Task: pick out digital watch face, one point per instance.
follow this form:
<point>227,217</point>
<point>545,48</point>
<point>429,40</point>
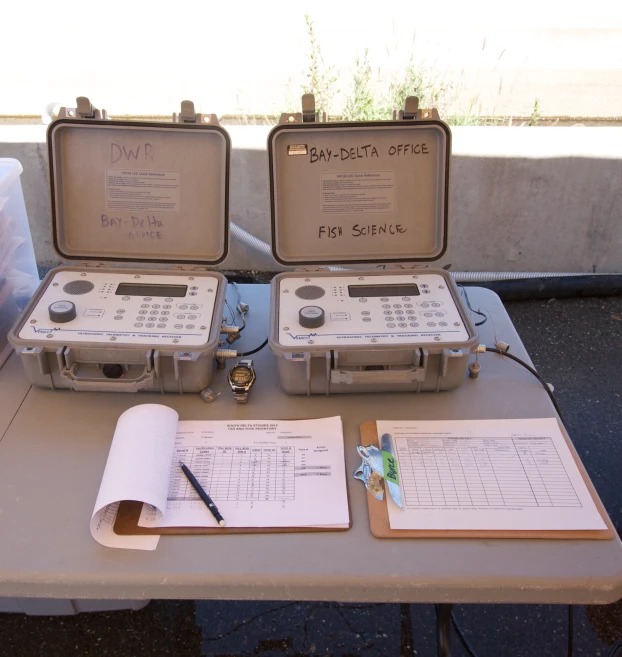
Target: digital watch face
<point>241,376</point>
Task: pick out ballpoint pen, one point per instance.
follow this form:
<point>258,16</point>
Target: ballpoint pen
<point>209,503</point>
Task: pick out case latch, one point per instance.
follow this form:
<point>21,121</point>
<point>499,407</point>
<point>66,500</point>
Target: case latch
<point>308,114</point>
<point>188,115</point>
<point>84,109</point>
<point>412,112</point>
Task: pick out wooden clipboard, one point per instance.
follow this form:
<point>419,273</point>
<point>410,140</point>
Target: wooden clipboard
<point>379,514</point>
<point>128,514</point>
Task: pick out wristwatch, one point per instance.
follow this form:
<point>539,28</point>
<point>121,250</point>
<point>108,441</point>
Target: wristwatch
<point>241,379</point>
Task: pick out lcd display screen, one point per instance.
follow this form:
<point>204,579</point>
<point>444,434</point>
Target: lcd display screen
<point>146,290</point>
<point>406,290</point>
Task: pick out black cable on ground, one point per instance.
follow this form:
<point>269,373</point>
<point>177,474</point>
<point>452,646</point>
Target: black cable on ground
<point>616,649</point>
<point>529,369</point>
<point>254,351</point>
<point>463,640</point>
<point>570,630</point>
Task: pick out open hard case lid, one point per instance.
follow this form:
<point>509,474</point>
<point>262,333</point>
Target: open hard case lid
<point>369,192</point>
<point>139,191</point>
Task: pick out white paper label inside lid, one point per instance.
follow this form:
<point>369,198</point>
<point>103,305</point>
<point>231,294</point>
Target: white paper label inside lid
<point>358,192</point>
<point>143,191</point>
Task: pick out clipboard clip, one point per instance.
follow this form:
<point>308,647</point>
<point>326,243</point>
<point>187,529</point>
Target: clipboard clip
<point>371,470</point>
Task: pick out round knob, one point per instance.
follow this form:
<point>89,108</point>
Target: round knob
<point>62,311</point>
<point>311,317</point>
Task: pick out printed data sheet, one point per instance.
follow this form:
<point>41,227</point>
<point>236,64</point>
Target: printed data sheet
<point>488,475</point>
<point>259,474</point>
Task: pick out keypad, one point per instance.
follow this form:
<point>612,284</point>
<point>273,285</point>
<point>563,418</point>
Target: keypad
<point>392,313</point>
<point>156,315</point>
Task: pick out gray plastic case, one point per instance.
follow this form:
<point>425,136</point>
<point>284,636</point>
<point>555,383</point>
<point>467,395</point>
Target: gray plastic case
<point>193,233</point>
<point>414,156</point>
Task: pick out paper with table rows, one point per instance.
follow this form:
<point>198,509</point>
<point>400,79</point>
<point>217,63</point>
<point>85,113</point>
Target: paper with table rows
<point>488,475</point>
<point>259,474</point>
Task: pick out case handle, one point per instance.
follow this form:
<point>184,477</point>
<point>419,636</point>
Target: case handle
<point>369,377</point>
<point>76,382</point>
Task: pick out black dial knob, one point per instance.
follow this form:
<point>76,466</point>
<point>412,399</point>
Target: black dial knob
<point>311,317</point>
<point>62,311</point>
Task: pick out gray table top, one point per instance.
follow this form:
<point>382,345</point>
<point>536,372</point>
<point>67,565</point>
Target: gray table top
<point>53,454</point>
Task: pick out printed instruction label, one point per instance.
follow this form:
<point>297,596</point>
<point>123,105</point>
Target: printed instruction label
<point>148,191</point>
<point>364,192</point>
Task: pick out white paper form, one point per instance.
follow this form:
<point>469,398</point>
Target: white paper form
<point>137,469</point>
<point>489,475</point>
<point>259,474</point>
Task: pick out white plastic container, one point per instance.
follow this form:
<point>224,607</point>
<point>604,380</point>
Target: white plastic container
<point>18,268</point>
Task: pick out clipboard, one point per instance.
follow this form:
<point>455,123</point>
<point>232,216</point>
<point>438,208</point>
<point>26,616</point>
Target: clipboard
<point>126,524</point>
<point>379,513</point>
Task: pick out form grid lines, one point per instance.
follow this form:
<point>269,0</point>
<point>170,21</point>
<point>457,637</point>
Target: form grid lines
<point>240,474</point>
<point>465,471</point>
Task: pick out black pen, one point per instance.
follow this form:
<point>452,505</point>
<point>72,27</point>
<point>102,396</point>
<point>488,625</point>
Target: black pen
<point>203,495</point>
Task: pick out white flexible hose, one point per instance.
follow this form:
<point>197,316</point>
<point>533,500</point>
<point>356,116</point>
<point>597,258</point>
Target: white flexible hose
<point>460,276</point>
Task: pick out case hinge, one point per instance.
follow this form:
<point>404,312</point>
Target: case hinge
<point>93,264</point>
<point>412,112</point>
<point>84,109</point>
<point>190,268</point>
<point>311,269</point>
<point>402,266</point>
<point>188,115</point>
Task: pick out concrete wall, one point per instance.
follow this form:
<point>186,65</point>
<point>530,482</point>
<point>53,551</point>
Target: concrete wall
<point>522,199</point>
<point>143,57</point>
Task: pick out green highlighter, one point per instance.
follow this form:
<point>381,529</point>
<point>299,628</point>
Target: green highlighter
<point>391,473</point>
